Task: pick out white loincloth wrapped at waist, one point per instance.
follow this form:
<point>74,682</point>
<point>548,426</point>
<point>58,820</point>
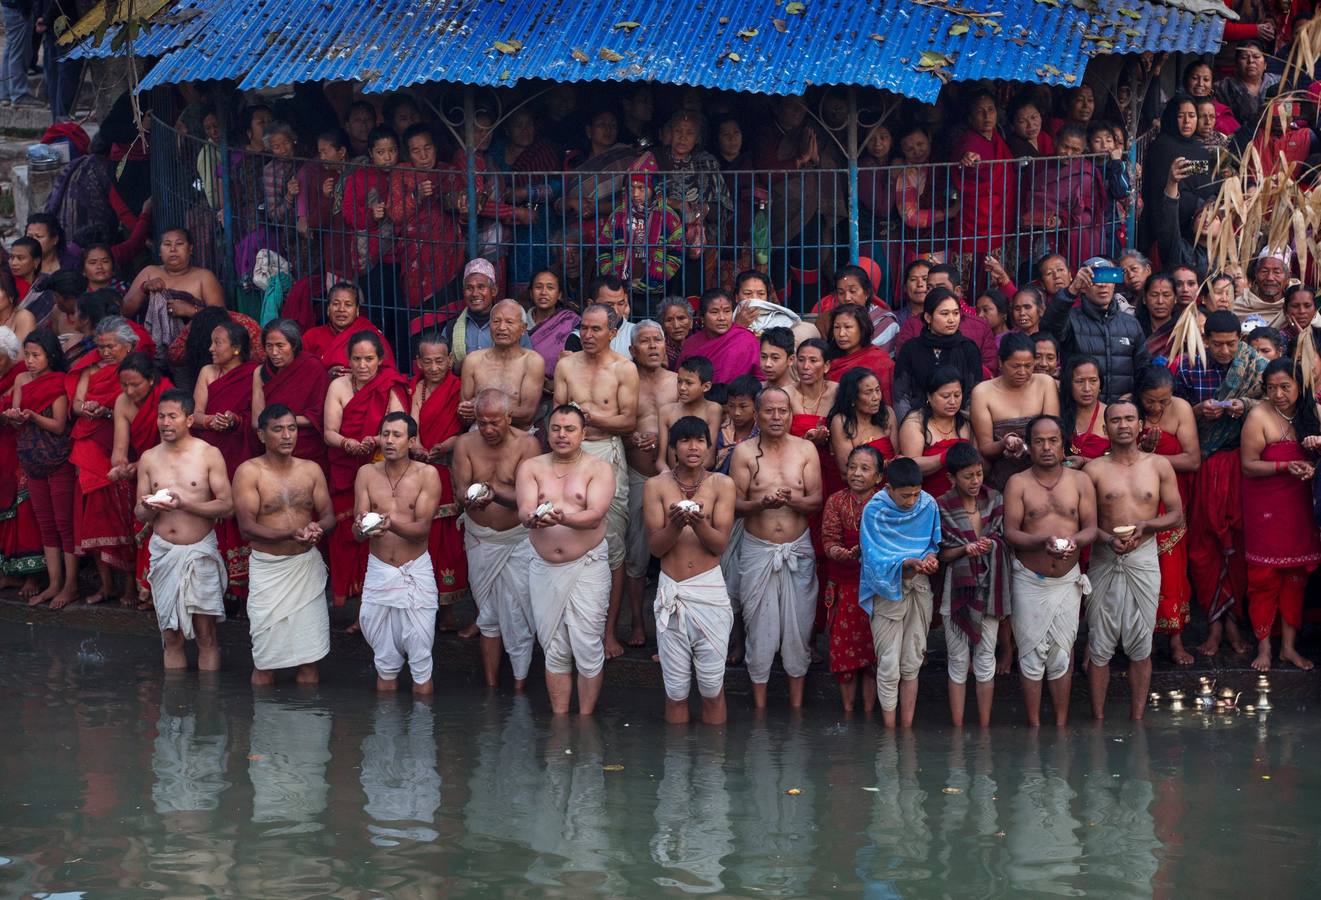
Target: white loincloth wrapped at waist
<point>559,585</point>
<point>701,600</point>
<point>187,580</point>
<point>287,612</point>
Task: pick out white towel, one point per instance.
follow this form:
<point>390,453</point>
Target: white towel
<point>287,609</point>
<point>186,580</point>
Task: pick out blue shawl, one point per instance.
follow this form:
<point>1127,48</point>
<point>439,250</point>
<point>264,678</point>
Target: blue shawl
<point>891,535</point>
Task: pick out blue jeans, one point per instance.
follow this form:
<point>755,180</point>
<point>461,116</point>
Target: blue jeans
<point>18,46</point>
<point>62,74</point>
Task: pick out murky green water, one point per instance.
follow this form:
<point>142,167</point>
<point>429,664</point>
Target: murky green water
<point>115,782</point>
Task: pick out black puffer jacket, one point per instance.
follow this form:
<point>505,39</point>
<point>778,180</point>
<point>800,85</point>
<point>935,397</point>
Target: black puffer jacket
<point>1114,337</point>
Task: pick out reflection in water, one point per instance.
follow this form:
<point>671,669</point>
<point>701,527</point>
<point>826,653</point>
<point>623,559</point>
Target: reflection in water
<point>188,760</point>
<point>692,813</point>
<point>505,775</point>
<point>1042,832</point>
<point>399,773</point>
<point>899,833</point>
<point>1120,838</point>
<point>776,830</point>
<point>289,750</point>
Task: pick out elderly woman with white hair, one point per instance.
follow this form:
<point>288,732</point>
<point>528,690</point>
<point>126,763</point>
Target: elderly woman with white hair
<point>104,529</point>
<point>20,537</point>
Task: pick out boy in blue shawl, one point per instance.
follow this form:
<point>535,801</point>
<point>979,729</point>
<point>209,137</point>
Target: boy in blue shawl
<point>900,539</point>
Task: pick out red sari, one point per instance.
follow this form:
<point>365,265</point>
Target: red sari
<point>869,357</point>
<point>333,347</point>
<point>938,483</point>
<point>301,385</point>
<point>1279,541</point>
<point>1173,609</point>
<point>232,392</point>
<point>847,626</point>
<point>103,516</point>
<point>438,421</point>
<point>799,425</point>
<point>362,418</point>
<point>1089,445</point>
<point>20,538</point>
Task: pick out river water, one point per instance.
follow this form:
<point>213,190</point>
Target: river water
<point>116,781</point>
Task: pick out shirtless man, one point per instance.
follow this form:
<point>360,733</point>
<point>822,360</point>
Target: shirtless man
<point>1001,406</point>
<point>1050,512</point>
<point>183,488</point>
<point>693,615</point>
<point>399,598</point>
<point>283,508</point>
<point>604,385</point>
<point>1131,486</point>
<point>514,369</point>
<point>657,388</point>
<point>177,275</point>
<point>564,497</point>
<point>777,478</point>
<point>496,542</point>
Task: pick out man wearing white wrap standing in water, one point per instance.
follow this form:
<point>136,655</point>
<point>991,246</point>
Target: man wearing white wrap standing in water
<point>394,503</point>
<point>183,488</point>
<point>689,514</point>
<point>563,498</point>
<point>777,481</point>
<point>283,509</point>
<point>499,553</point>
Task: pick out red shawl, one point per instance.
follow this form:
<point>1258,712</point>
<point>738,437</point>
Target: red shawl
<point>334,348</point>
<point>362,418</point>
<point>232,392</point>
<point>143,432</point>
<point>301,385</point>
<point>42,391</point>
<point>868,357</point>
<point>8,442</point>
<point>94,438</point>
<point>438,419</point>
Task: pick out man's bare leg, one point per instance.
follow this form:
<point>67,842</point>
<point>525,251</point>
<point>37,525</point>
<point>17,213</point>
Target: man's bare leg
<point>208,647</point>
<point>676,711</point>
<point>714,709</point>
<point>492,648</point>
<point>1181,655</point>
<point>1139,680</point>
<point>559,687</point>
<point>589,691</point>
<point>309,673</point>
<point>1032,700</point>
<point>1059,696</point>
<point>69,590</point>
<point>735,642</point>
<point>263,677</point>
<point>868,677</point>
<point>759,695</point>
<point>985,695</point>
<point>637,636</point>
<point>386,685</point>
<point>796,691</point>
<point>1236,639</point>
<point>424,688</point>
<point>1004,658</point>
<point>958,695</point>
<point>612,646</point>
<point>1098,683</point>
<point>848,689</point>
<point>907,701</point>
<point>175,658</point>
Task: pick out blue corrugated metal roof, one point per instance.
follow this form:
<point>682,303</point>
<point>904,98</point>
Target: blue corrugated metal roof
<point>757,46</point>
<point>174,27</point>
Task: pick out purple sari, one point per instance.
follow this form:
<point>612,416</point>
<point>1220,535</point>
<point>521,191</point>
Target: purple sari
<point>548,338</point>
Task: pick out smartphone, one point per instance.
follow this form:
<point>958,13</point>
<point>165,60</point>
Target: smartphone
<point>1199,166</point>
<point>1107,275</point>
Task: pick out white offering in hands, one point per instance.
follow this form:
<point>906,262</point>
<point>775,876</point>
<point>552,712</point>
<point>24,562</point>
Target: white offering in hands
<point>370,522</point>
<point>544,510</point>
<point>1124,532</point>
<point>478,491</point>
<point>160,498</point>
<point>689,506</point>
<point>1059,545</point>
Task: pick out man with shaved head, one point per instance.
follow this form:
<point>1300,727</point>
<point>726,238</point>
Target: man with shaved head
<point>506,365</point>
<point>499,554</point>
<point>657,386</point>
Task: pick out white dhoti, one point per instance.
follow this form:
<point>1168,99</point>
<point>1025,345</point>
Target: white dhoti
<point>287,613</point>
<point>611,450</point>
<point>1046,620</point>
<point>398,616</point>
<point>899,636</point>
<point>498,564</point>
<point>569,606</point>
<point>1121,607</point>
<point>186,580</point>
<point>778,592</point>
<point>637,555</point>
<point>960,652</point>
<point>693,619</point>
<point>731,563</point>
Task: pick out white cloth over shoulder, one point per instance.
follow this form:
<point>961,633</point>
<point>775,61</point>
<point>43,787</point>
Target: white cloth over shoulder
<point>186,580</point>
<point>693,619</point>
<point>611,450</point>
<point>569,608</point>
<point>1121,606</point>
<point>398,616</point>
<point>1046,620</point>
<point>778,597</point>
<point>287,612</point>
<point>498,563</point>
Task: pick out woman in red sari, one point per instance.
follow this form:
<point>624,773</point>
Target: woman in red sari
<point>732,349</point>
<point>296,379</point>
<point>355,405</point>
<point>987,207</point>
<point>852,654</point>
<point>851,332</point>
<point>136,432</point>
<point>810,398</point>
<point>103,520</point>
<point>1082,411</point>
<point>435,408</point>
<point>20,538</point>
<point>330,342</point>
<point>223,395</point>
<point>1170,429</point>
<point>929,431</point>
<point>859,417</point>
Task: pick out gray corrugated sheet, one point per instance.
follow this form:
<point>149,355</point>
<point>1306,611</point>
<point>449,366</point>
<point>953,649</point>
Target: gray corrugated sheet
<point>389,44</point>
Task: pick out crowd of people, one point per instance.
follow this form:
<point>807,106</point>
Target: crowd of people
<point>962,434</point>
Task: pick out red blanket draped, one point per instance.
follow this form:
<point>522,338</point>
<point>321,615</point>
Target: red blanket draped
<point>362,418</point>
<point>94,437</point>
<point>8,442</point>
<point>301,385</point>
<point>39,393</point>
<point>438,422</point>
<point>333,348</point>
<point>873,358</point>
<point>143,432</point>
<point>440,413</point>
<point>232,392</point>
